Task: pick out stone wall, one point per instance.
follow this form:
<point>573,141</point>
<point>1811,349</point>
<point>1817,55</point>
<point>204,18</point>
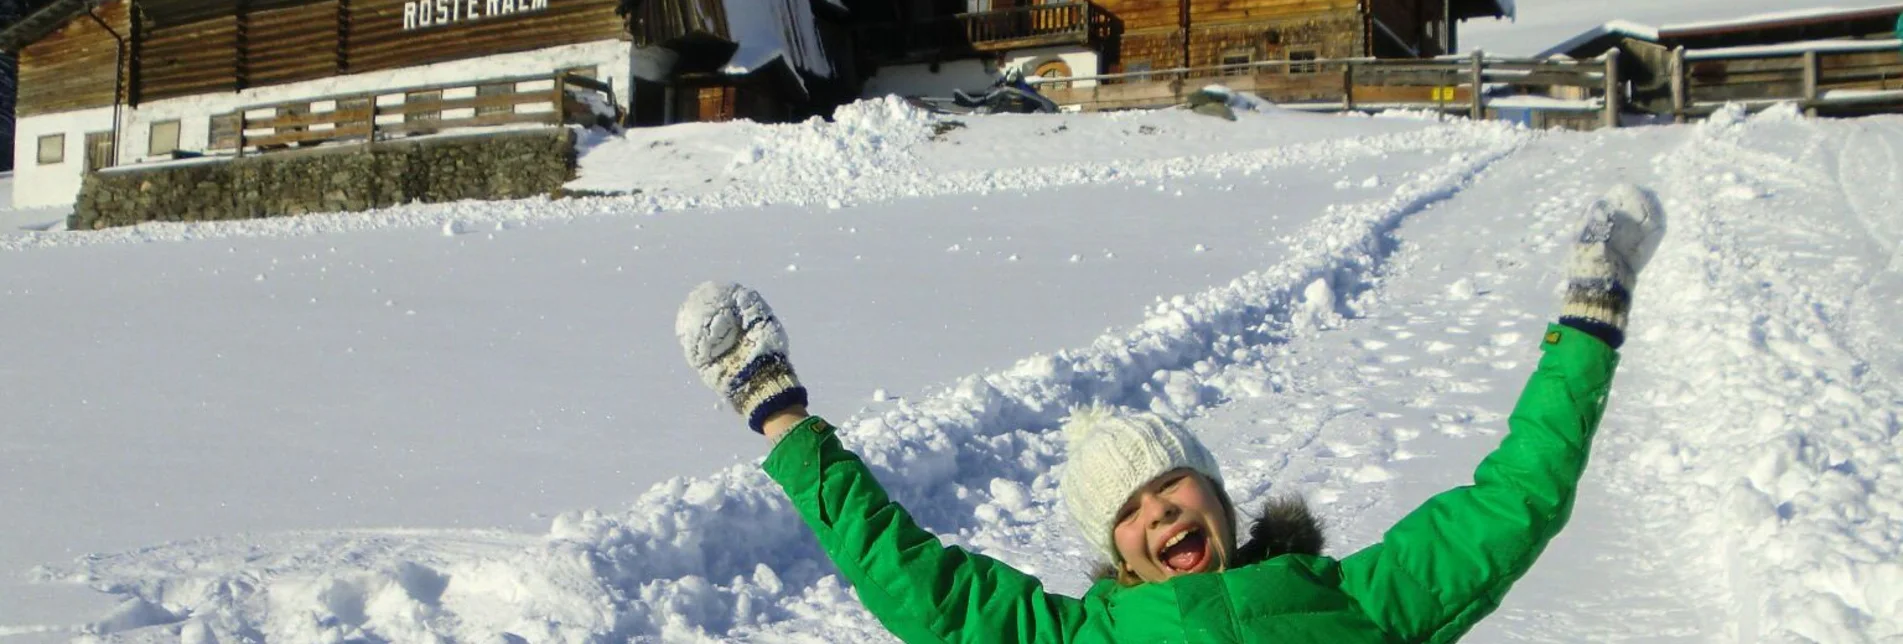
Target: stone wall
<point>503,165</point>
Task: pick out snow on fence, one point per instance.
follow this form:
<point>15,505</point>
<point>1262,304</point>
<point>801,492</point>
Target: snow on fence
<point>1440,84</point>
<point>549,99</point>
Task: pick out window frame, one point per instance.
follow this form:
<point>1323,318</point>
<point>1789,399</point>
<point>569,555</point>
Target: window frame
<point>152,137</point>
<point>1247,54</point>
<point>59,149</point>
<point>1297,66</point>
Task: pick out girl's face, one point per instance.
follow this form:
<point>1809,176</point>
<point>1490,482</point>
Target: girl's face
<point>1174,525</point>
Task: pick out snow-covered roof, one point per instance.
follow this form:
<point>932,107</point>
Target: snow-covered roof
<point>1620,28</point>
<point>1795,17</point>
<point>1821,46</point>
<point>1820,14</point>
<point>767,30</point>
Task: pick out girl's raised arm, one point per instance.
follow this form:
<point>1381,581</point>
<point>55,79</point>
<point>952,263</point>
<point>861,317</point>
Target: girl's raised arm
<point>919,588</point>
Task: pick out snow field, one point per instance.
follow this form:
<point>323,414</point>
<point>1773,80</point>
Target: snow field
<point>1359,301</point>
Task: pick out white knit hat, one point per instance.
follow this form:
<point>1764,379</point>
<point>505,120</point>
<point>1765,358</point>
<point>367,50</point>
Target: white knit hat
<point>1115,451</point>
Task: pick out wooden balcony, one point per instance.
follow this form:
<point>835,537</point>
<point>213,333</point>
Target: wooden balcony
<point>938,37</point>
<point>1066,23</point>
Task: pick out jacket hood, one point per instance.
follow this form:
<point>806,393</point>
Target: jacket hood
<point>1285,526</point>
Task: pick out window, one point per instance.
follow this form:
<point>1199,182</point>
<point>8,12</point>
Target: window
<point>1297,67</point>
<point>494,89</point>
<point>1140,67</point>
<point>1235,62</point>
<point>52,149</point>
<point>224,131</point>
<point>432,96</point>
<point>1052,70</point>
<point>164,139</point>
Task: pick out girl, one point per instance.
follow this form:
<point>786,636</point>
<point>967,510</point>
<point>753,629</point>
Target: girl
<point>1149,496</point>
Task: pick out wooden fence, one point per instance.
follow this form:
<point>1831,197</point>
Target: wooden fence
<point>1442,84</point>
<point>1838,78</point>
<point>551,99</point>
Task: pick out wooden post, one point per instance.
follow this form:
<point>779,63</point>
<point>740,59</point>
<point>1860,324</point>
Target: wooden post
<point>1810,83</point>
<point>560,99</point>
<point>1348,86</point>
<point>1478,110</point>
<point>1614,98</point>
<point>241,112</point>
<point>1680,85</point>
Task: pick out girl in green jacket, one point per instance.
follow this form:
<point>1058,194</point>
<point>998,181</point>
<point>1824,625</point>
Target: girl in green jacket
<point>1147,494</point>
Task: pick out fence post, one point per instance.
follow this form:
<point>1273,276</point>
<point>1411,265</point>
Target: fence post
<point>1810,83</point>
<point>1348,87</point>
<point>560,98</point>
<point>1680,85</point>
<point>241,112</point>
<point>1478,110</point>
<point>1614,98</point>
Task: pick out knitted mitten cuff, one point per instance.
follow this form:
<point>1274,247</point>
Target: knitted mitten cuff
<point>732,339</point>
<point>1621,232</point>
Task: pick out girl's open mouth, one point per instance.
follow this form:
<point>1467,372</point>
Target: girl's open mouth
<point>1188,551</point>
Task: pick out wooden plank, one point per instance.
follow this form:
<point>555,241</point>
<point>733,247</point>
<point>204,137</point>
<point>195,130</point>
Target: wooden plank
<point>486,120</point>
<point>442,105</point>
<point>312,118</point>
<point>307,136</point>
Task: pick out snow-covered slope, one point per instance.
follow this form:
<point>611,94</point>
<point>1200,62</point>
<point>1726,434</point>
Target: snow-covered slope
<point>383,426</point>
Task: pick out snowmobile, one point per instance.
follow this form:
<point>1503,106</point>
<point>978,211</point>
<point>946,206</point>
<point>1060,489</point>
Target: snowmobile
<point>1009,94</point>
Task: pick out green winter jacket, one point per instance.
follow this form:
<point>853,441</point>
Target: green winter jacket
<point>1430,578</point>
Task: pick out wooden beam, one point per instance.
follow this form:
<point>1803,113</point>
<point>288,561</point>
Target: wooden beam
<point>1478,110</point>
<point>1681,94</point>
<point>1614,100</point>
<point>1810,83</point>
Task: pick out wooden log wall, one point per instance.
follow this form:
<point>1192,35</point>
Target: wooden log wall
<point>274,44</point>
<point>73,67</point>
<point>1153,30</point>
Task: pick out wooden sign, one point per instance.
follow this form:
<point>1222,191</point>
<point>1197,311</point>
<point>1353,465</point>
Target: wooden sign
<point>424,14</point>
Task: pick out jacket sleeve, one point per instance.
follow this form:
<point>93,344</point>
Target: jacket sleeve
<point>1448,563</point>
<point>920,589</point>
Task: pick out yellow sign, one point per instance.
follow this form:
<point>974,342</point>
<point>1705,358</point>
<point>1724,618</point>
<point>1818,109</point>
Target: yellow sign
<point>1444,94</point>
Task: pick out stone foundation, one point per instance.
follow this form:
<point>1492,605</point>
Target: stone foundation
<point>503,165</point>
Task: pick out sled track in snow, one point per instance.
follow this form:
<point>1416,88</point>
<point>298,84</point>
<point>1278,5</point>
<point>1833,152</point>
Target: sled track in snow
<point>685,561</point>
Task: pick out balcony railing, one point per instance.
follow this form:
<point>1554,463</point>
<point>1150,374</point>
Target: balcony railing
<point>1062,23</point>
<point>1039,25</point>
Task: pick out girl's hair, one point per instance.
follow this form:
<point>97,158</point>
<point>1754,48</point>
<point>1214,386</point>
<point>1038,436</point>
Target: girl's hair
<point>1284,527</point>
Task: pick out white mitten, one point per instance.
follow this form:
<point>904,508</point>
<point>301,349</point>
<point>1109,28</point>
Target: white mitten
<point>1620,233</point>
<point>731,338</point>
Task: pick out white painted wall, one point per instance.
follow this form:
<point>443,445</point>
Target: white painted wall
<point>975,74</point>
<point>1082,62</point>
<point>919,80</point>
<point>36,185</point>
<point>54,185</point>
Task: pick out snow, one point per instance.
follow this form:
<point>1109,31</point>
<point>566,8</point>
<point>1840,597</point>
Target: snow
<point>1540,25</point>
<point>359,428</point>
<point>1794,49</point>
<point>786,29</point>
<point>1773,16</point>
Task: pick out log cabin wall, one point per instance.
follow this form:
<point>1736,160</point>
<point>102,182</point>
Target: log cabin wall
<point>73,67</point>
<point>260,43</point>
<point>1152,30</point>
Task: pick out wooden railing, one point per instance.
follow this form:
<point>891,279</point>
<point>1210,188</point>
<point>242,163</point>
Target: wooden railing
<point>550,99</point>
<point>1440,84</point>
<point>1024,26</point>
<point>981,31</point>
<point>1843,78</point>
